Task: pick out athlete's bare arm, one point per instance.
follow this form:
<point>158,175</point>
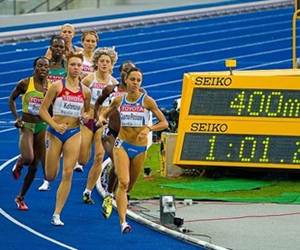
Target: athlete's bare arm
<point>103,115</point>
<point>105,93</point>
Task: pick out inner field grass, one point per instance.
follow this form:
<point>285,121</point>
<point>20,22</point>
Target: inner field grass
<point>281,185</point>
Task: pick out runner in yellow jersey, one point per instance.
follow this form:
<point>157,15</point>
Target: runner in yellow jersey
<point>32,128</point>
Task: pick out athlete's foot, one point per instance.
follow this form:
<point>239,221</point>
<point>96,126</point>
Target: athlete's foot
<point>78,168</point>
<point>56,220</point>
<point>107,206</point>
<point>125,228</point>
<point>45,186</point>
<point>87,199</point>
<point>21,203</point>
<point>16,171</point>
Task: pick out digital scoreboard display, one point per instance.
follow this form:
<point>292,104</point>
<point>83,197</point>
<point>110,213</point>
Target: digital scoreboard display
<point>249,119</point>
<point>241,148</point>
<point>244,102</point>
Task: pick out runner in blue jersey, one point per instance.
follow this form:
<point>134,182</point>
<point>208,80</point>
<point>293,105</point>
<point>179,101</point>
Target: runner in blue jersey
<point>130,147</point>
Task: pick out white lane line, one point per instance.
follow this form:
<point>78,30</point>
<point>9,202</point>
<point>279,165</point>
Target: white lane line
<point>265,64</point>
<point>243,46</point>
<point>184,45</point>
<point>9,112</point>
<point>8,84</point>
<point>6,130</point>
<point>8,162</point>
<point>156,226</point>
<point>174,38</point>
<point>219,21</point>
<point>7,216</point>
<point>168,97</point>
<point>188,44</point>
<point>188,37</point>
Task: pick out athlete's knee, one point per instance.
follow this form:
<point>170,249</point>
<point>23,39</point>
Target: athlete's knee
<point>123,185</point>
<point>50,176</point>
<point>130,186</point>
<point>67,173</point>
<point>83,159</point>
<point>27,159</point>
<point>99,157</point>
<point>32,169</point>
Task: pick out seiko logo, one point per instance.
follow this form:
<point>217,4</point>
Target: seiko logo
<point>213,81</point>
<point>208,127</point>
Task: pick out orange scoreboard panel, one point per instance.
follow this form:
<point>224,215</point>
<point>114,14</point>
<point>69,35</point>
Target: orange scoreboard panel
<point>249,119</point>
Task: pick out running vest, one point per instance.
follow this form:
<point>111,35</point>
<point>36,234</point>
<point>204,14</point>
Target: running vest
<point>97,88</point>
<point>56,74</point>
<point>32,99</point>
<point>87,66</point>
<point>114,93</point>
<point>68,103</point>
<point>133,114</point>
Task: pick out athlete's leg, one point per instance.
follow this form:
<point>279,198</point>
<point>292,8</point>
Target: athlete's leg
<point>53,151</point>
<point>40,148</point>
<point>42,155</point>
<point>70,151</point>
<point>136,166</point>
<point>85,145</point>
<point>39,151</point>
<point>26,150</point>
<point>108,144</point>
<point>95,170</point>
<point>26,146</point>
<point>121,161</point>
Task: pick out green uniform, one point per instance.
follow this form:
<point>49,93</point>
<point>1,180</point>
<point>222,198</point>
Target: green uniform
<point>31,103</point>
<point>56,74</point>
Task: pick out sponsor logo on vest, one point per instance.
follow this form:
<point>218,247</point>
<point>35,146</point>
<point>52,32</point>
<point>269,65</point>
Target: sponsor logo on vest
<point>87,68</point>
<point>34,99</point>
<point>54,78</point>
<point>131,108</point>
<point>99,85</point>
<point>72,98</point>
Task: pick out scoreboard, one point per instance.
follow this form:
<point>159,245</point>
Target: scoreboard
<point>249,119</point>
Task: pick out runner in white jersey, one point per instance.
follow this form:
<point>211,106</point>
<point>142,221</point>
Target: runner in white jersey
<point>104,59</point>
<point>89,40</point>
<point>131,144</point>
<point>71,102</point>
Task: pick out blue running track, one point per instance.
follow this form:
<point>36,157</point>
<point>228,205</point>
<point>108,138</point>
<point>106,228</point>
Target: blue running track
<point>260,40</point>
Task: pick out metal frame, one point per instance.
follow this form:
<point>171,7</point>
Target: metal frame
<point>296,16</point>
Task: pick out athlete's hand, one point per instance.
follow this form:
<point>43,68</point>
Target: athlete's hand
<point>101,121</point>
<point>143,133</point>
<point>19,123</point>
<point>85,117</point>
<point>61,128</point>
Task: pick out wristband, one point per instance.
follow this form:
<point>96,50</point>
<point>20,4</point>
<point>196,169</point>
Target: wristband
<point>150,129</point>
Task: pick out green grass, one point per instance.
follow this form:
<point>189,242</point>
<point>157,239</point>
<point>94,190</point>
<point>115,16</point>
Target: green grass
<point>283,190</point>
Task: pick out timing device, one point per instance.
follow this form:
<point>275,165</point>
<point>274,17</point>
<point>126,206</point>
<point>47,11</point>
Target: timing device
<point>248,119</point>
